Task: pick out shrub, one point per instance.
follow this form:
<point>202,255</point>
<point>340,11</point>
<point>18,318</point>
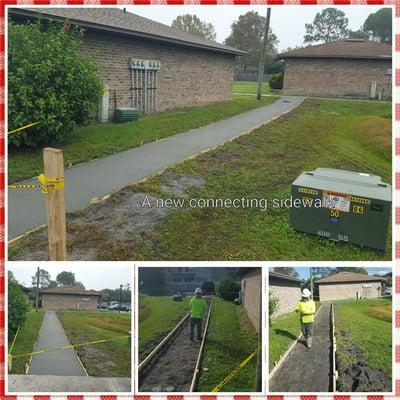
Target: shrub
<point>273,304</point>
<point>228,289</point>
<point>276,81</point>
<point>50,82</point>
<point>18,307</point>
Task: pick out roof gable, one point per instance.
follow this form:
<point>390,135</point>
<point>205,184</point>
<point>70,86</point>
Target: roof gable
<point>346,277</point>
<point>348,48</point>
<point>70,290</point>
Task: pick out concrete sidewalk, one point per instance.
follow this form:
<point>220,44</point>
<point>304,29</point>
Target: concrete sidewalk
<point>307,370</point>
<point>26,208</point>
<point>67,384</point>
<point>63,362</point>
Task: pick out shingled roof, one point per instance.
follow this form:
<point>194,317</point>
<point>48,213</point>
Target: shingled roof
<point>348,48</point>
<point>284,277</point>
<point>345,277</point>
<point>70,290</point>
<point>124,22</point>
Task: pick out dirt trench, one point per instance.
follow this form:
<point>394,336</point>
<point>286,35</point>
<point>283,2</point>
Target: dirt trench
<point>173,368</point>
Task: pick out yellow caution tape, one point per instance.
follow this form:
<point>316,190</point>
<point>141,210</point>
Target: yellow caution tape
<point>45,184</point>
<point>13,342</point>
<point>25,127</point>
<point>68,347</point>
<point>234,372</point>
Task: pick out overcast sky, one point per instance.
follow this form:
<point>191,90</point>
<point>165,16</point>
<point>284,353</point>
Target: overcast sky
<point>304,272</point>
<point>94,277</point>
<point>286,22</point>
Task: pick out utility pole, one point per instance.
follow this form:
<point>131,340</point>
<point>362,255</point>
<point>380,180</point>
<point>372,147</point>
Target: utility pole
<point>120,298</point>
<point>37,289</point>
<point>262,57</point>
<point>311,283</point>
<point>259,352</point>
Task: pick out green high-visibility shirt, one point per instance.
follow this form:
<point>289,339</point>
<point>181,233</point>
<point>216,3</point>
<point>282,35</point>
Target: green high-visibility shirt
<point>306,310</point>
<point>197,307</point>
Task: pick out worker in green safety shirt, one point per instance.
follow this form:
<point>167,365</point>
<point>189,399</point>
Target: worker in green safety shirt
<point>306,308</point>
<point>197,308</point>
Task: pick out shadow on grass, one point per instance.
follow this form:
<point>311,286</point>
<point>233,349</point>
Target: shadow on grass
<point>288,334</point>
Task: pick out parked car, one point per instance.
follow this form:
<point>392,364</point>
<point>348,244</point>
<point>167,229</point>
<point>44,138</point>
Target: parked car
<point>103,306</point>
<point>122,307</point>
<point>387,291</point>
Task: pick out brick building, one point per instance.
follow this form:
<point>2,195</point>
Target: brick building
<point>346,68</point>
<point>286,289</point>
<point>69,298</point>
<point>250,282</point>
<point>349,285</point>
<point>146,64</point>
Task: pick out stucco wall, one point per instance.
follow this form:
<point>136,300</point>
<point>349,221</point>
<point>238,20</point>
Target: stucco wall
<point>343,291</point>
<point>251,291</point>
<point>334,77</point>
<point>188,77</point>
<point>68,302</point>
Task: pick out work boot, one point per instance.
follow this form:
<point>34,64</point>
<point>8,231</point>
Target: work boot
<point>309,343</point>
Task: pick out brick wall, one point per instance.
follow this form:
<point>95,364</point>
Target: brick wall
<point>251,290</point>
<point>343,291</point>
<point>334,77</point>
<point>68,302</point>
<point>288,295</point>
<point>188,76</point>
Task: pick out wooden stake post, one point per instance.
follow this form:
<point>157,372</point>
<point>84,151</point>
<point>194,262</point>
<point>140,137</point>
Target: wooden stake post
<point>55,205</point>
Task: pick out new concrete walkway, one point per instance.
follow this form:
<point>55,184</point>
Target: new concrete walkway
<point>63,362</point>
<point>307,370</point>
<point>67,384</point>
<point>26,208</point>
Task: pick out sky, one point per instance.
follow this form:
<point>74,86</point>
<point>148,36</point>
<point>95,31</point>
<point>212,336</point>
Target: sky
<point>288,23</point>
<point>94,277</point>
<point>304,272</point>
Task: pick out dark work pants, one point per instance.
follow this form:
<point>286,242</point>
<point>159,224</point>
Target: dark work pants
<point>307,331</point>
<point>195,322</point>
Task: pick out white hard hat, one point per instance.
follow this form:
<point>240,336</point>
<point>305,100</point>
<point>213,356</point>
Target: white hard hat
<point>197,291</point>
<point>306,293</point>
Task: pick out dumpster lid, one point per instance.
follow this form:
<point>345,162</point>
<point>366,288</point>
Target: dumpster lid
<point>347,182</point>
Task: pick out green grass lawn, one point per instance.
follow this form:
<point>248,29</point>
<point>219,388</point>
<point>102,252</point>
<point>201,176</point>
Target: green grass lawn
<point>95,141</point>
<point>282,333</point>
<point>157,316</point>
<point>249,87</point>
<point>230,340</point>
<point>110,359</point>
<point>262,165</point>
<point>365,325</point>
<point>26,340</point>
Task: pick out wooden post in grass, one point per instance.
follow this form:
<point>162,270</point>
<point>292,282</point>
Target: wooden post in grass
<point>55,205</point>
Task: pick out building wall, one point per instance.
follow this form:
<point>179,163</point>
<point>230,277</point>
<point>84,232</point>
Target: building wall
<point>68,302</point>
<point>251,291</point>
<point>344,291</point>
<point>288,295</point>
<point>188,77</point>
<point>334,77</point>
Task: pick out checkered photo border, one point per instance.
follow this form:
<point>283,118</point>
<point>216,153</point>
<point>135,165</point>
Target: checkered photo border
<point>396,102</point>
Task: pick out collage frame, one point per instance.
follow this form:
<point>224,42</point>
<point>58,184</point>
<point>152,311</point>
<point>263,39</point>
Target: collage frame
<point>394,264</point>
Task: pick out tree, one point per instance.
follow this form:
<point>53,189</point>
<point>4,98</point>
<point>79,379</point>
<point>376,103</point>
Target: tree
<point>44,279</point>
<point>247,34</point>
<point>66,278</point>
<point>11,276</point>
<point>152,280</point>
<point>18,307</point>
<point>79,284</point>
<point>290,271</point>
<point>49,82</point>
<point>228,289</point>
<point>356,270</point>
<point>359,34</point>
<point>329,25</point>
<point>379,25</point>
<point>192,24</point>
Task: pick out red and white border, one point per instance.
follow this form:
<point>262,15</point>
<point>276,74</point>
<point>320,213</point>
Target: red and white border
<point>396,165</point>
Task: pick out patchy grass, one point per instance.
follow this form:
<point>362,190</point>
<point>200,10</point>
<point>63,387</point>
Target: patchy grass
<point>26,340</point>
<point>95,141</point>
<point>157,316</point>
<point>258,166</point>
<point>110,359</point>
<point>230,340</point>
<point>365,325</point>
<point>249,87</point>
<point>282,333</point>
